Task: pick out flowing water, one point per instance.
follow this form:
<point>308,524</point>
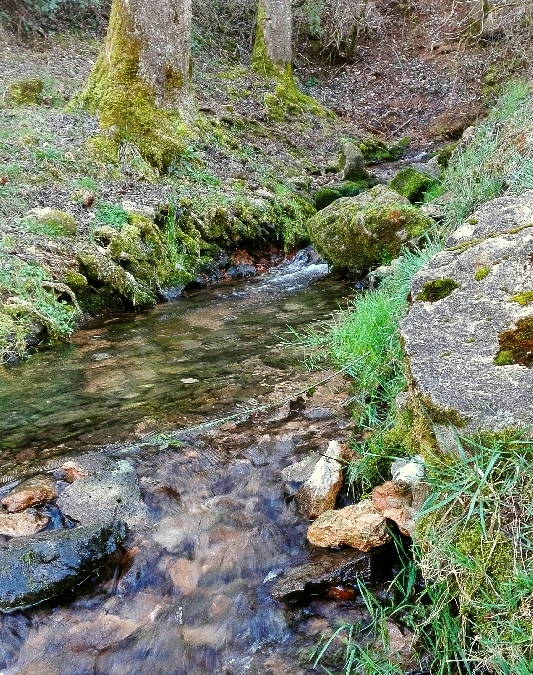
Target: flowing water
<point>191,594</point>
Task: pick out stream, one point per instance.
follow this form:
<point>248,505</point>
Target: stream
<point>190,594</point>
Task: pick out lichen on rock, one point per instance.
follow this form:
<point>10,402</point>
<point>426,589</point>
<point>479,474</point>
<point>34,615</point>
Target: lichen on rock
<point>467,352</point>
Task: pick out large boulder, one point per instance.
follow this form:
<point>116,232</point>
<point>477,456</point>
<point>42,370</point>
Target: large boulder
<point>468,335</point>
<point>34,569</point>
<point>358,232</point>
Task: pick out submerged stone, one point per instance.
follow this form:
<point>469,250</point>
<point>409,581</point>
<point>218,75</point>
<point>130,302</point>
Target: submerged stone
<point>38,568</point>
<point>33,492</point>
<point>326,570</point>
<point>112,494</point>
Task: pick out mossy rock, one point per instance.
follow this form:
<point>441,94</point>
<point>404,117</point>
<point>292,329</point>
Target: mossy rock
<point>61,223</point>
<point>375,151</point>
<point>24,92</point>
<point>412,184</point>
<point>327,195</point>
<point>75,281</point>
<point>356,232</point>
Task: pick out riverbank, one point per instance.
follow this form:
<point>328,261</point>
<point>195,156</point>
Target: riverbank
<point>471,540</point>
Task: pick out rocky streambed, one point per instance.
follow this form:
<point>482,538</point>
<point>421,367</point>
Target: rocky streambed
<point>199,562</point>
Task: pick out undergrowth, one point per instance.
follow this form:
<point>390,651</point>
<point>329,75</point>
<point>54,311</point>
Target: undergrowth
<point>27,302</point>
<point>365,340</point>
<point>498,160</point>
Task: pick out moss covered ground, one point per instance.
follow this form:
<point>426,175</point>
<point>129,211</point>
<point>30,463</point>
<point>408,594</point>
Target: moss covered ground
<point>239,177</point>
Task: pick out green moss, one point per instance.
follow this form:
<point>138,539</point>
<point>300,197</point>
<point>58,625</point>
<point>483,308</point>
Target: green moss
<point>490,563</point>
<point>325,196</point>
<point>482,272</point>
<point>355,233</point>
<point>523,298</point>
<point>126,104</point>
<point>261,61</point>
<point>435,290</point>
<point>24,92</point>
<point>516,345</point>
<point>74,280</point>
<point>375,151</point>
<point>445,154</point>
<point>288,100</point>
<point>412,184</point>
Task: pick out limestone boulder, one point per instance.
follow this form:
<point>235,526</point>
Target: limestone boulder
<point>320,490</point>
<point>468,335</point>
<point>356,232</point>
<point>359,526</point>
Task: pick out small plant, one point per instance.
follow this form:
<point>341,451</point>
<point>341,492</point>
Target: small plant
<point>113,215</point>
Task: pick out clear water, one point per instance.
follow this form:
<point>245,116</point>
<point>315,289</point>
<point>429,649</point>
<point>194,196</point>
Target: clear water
<point>190,595</point>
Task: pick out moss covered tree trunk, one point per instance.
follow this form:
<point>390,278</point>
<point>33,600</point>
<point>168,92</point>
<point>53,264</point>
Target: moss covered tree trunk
<point>141,84</point>
<point>273,41</point>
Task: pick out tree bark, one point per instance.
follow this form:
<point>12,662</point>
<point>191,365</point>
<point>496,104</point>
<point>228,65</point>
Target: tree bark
<point>141,82</point>
<point>273,41</point>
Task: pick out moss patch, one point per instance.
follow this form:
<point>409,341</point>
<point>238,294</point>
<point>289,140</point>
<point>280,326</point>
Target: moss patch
<point>126,104</point>
<point>435,290</point>
<point>327,195</point>
<point>482,272</point>
<point>375,151</point>
<point>24,92</point>
<point>412,184</point>
<point>516,345</point>
<point>523,298</point>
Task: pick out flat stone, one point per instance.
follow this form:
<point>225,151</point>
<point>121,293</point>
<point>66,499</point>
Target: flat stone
<point>34,569</point>
<point>110,495</point>
<point>320,490</point>
<point>359,526</point>
<point>22,524</point>
<point>327,570</point>
<point>33,492</point>
<point>453,343</point>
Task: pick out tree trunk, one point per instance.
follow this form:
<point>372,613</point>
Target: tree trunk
<point>273,41</point>
<point>142,79</point>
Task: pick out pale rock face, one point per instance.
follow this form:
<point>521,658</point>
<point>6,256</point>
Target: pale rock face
<point>359,526</point>
<point>455,345</point>
<point>320,490</point>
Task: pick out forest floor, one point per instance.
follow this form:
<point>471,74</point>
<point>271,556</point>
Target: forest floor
<point>418,78</point>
